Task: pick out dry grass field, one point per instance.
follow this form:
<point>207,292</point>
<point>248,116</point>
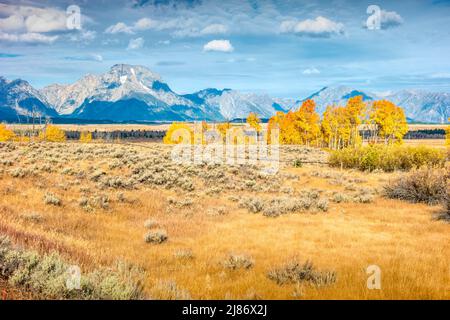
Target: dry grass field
<point>221,232</point>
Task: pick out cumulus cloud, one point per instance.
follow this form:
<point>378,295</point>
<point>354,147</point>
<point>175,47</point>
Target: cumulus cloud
<point>29,24</point>
<point>135,44</point>
<point>31,19</point>
<point>140,25</point>
<point>219,45</point>
<point>144,24</point>
<point>311,71</point>
<point>319,27</point>
<point>119,27</point>
<point>179,27</point>
<point>390,19</point>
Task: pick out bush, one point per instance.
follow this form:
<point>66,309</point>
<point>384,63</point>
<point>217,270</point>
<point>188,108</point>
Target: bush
<point>156,236</point>
<point>387,157</point>
<point>234,262</point>
<point>50,198</point>
<point>295,272</point>
<point>46,276</point>
<point>424,185</point>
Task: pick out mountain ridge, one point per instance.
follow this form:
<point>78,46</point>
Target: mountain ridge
<point>135,93</point>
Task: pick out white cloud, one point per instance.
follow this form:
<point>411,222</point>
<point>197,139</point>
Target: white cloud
<point>135,44</point>
<point>318,27</point>
<point>145,24</point>
<point>180,27</point>
<point>83,35</point>
<point>311,71</point>
<point>215,28</point>
<point>27,23</point>
<point>140,25</point>
<point>390,19</point>
<point>119,27</point>
<point>29,37</point>
<point>12,23</point>
<point>32,19</point>
<point>219,45</point>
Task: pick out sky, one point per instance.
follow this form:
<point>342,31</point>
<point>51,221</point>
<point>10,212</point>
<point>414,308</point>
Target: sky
<point>285,48</point>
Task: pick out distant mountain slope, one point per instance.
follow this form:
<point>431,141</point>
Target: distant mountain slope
<point>135,93</point>
<point>419,106</point>
<point>422,106</point>
<point>129,92</point>
<point>19,98</point>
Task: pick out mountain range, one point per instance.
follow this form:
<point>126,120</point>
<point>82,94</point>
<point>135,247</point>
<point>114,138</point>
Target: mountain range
<point>135,93</point>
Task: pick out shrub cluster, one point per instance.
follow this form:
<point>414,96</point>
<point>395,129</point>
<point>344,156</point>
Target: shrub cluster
<point>295,272</point>
<point>240,261</point>
<point>423,185</point>
<point>387,157</point>
<point>47,275</point>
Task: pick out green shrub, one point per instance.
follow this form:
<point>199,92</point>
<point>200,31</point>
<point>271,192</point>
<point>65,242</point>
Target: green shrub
<point>387,157</point>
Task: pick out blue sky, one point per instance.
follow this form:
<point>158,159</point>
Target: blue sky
<point>283,48</point>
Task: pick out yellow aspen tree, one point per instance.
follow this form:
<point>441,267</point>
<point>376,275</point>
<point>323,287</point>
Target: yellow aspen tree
<point>327,127</point>
<point>390,121</point>
<point>355,108</point>
<point>254,121</point>
<point>179,132</point>
<point>85,137</point>
<point>223,128</point>
<point>52,133</point>
<point>275,123</point>
<point>6,134</point>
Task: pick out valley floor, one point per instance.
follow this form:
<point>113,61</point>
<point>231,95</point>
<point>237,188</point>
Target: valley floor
<point>94,204</point>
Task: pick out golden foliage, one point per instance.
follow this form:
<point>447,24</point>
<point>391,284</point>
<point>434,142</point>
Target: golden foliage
<point>297,127</point>
<point>340,125</point>
<point>179,132</point>
<point>6,134</point>
<point>389,120</point>
<point>85,137</point>
<point>447,134</point>
<point>52,133</point>
<point>254,121</point>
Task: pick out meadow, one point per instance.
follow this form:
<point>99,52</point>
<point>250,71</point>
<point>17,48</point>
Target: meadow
<point>211,231</point>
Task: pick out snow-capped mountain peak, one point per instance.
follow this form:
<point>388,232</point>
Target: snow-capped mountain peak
<point>135,93</point>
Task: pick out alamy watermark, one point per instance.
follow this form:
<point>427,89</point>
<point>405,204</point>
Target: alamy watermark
<point>234,146</point>
<point>374,20</point>
<point>374,279</point>
<point>73,21</point>
<point>73,279</point>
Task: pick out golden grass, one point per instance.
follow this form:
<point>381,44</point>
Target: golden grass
<point>411,247</point>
